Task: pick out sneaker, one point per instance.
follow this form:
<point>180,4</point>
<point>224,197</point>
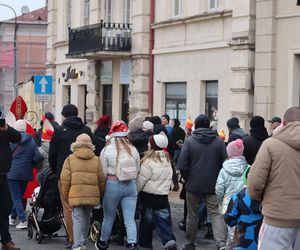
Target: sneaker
<point>12,222</point>
<point>22,225</point>
<point>101,245</point>
<point>9,246</point>
<point>131,246</point>
<point>172,247</point>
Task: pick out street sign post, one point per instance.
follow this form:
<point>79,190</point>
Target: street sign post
<point>43,88</point>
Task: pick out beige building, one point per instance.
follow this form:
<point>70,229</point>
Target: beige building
<point>219,57</point>
<point>277,58</point>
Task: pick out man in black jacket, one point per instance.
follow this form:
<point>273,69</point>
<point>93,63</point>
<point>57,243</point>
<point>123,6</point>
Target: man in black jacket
<point>235,131</point>
<point>200,162</point>
<point>60,145</point>
<point>7,135</point>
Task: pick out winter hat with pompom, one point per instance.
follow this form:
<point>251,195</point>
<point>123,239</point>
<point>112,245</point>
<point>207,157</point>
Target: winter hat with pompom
<point>235,148</point>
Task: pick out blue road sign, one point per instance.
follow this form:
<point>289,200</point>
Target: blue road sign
<point>43,84</point>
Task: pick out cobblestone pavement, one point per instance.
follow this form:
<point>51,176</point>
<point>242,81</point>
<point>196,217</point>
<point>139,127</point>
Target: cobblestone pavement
<point>20,236</point>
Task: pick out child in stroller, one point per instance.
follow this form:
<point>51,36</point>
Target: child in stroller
<point>45,198</point>
<point>118,230</point>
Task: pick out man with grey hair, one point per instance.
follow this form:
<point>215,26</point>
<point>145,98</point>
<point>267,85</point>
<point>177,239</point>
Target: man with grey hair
<point>274,179</point>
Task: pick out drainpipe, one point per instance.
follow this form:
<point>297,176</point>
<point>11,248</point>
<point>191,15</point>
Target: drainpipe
<point>151,47</point>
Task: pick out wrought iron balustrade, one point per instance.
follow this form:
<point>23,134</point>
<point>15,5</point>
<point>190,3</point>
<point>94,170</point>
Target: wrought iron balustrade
<point>102,36</point>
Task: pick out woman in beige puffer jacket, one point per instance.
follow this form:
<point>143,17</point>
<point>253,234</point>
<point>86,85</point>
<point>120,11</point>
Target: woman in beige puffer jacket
<point>82,182</point>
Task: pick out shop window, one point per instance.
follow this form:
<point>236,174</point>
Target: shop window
<point>125,102</point>
<point>176,101</point>
<point>107,100</point>
<point>177,7</point>
<point>211,102</point>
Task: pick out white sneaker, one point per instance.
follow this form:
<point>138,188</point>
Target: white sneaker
<point>22,225</point>
<point>12,222</point>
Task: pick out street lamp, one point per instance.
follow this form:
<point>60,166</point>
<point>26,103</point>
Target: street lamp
<point>15,93</point>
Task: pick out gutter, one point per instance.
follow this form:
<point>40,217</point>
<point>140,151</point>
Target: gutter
<point>151,57</point>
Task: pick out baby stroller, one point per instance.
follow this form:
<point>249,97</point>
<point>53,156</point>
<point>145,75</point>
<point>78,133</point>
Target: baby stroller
<point>118,230</point>
<point>46,215</point>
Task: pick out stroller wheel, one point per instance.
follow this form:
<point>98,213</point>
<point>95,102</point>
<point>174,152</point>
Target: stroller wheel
<point>95,230</point>
<point>38,237</point>
<point>29,232</point>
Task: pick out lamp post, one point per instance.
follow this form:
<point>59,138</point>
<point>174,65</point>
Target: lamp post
<point>15,90</point>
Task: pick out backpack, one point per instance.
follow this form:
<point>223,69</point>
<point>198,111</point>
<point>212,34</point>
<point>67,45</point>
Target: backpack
<point>127,167</point>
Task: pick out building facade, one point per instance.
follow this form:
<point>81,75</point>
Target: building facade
<point>31,54</point>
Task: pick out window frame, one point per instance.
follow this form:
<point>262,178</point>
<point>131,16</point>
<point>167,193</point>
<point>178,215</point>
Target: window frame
<point>213,121</point>
<point>127,11</point>
<point>216,6</point>
<point>69,14</point>
<point>86,12</point>
<point>174,14</point>
<point>108,17</point>
<point>107,99</point>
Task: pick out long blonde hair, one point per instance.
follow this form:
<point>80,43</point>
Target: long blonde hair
<point>123,141</point>
<point>155,156</point>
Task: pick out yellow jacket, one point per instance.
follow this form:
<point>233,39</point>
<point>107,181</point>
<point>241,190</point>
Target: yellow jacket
<point>82,177</point>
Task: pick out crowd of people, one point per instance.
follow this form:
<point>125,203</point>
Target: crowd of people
<point>247,185</point>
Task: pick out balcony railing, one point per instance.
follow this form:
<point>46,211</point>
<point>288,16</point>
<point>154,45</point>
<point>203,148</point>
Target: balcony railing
<point>101,36</point>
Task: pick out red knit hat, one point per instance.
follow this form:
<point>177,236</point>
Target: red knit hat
<point>104,121</point>
<point>118,129</point>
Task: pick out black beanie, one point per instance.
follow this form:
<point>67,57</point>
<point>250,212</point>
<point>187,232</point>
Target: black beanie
<point>202,121</point>
<point>257,122</point>
<point>155,120</point>
<point>49,116</point>
<point>69,110</point>
<point>233,123</point>
<point>166,116</point>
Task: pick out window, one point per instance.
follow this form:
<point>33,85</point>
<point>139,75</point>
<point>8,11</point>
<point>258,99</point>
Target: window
<point>177,7</point>
<point>86,12</point>
<point>127,11</point>
<point>211,102</point>
<point>176,101</point>
<point>213,5</point>
<point>107,100</point>
<point>69,10</point>
<point>107,11</point>
<point>125,102</point>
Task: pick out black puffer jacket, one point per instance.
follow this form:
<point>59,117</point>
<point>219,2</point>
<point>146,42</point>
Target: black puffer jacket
<point>201,159</point>
<point>237,133</point>
<point>62,139</point>
<point>10,135</point>
<point>253,142</point>
<point>101,132</point>
<point>140,140</point>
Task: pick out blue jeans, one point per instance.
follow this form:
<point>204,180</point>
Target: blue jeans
<point>17,189</point>
<point>159,218</point>
<point>124,193</point>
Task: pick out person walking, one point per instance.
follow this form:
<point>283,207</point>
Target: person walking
<point>154,183</point>
<point>120,161</point>
<point>200,162</point>
<point>25,155</point>
<point>178,136</point>
<point>230,180</point>
<point>7,135</point>
<point>235,131</point>
<point>60,149</point>
<point>274,179</point>
<point>252,142</point>
<point>82,181</point>
<point>243,214</point>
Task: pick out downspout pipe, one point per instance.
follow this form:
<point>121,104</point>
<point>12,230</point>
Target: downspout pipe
<point>151,61</point>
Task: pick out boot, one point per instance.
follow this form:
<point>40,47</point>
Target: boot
<point>131,246</point>
<point>101,245</point>
<point>182,225</point>
<point>9,246</point>
<point>209,234</point>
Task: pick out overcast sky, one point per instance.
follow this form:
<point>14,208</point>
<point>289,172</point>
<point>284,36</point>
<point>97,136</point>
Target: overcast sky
<point>6,13</point>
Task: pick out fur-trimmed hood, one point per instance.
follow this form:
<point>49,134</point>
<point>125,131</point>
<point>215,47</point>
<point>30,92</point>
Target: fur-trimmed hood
<point>83,150</point>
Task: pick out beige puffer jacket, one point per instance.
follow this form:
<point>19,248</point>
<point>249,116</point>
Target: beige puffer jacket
<point>82,177</point>
<point>155,177</point>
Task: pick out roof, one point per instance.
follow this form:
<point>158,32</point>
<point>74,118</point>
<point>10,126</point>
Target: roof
<point>39,15</point>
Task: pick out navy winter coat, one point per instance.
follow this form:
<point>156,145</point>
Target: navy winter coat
<point>25,155</point>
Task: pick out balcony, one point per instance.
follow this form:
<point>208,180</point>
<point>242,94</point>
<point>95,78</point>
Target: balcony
<point>100,40</point>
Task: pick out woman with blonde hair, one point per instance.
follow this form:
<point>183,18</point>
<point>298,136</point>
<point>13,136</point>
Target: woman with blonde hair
<point>120,161</point>
<point>154,183</point>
